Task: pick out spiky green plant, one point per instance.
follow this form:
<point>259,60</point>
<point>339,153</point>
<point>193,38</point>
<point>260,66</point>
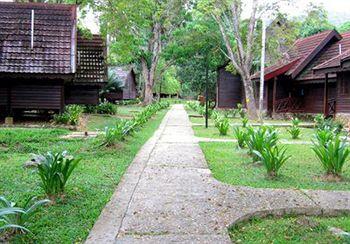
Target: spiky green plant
<point>273,158</point>
<point>331,151</point>
<point>245,121</point>
<point>54,171</point>
<point>241,136</point>
<point>16,217</point>
<point>260,138</point>
<point>223,125</point>
<point>294,131</point>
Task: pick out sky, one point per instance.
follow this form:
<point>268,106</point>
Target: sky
<point>338,10</point>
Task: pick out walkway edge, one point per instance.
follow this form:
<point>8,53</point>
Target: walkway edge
<point>106,228</point>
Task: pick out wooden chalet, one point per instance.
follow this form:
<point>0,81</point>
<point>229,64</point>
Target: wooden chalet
<point>293,85</point>
<point>127,78</point>
<point>44,62</point>
<point>229,89</point>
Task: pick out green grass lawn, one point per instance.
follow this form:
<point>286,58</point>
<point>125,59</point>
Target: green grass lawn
<point>303,171</point>
<point>290,230</point>
<point>213,132</point>
<point>89,188</point>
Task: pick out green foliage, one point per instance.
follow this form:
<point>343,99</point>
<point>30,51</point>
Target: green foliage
<point>124,128</point>
<point>245,121</point>
<point>331,151</point>
<point>273,159</point>
<point>259,139</point>
<point>70,116</point>
<point>294,131</point>
<point>16,217</point>
<point>240,111</point>
<point>54,171</point>
<point>328,124</point>
<point>222,124</point>
<point>315,21</point>
<point>345,27</point>
<point>106,108</point>
<point>114,84</point>
<point>241,136</point>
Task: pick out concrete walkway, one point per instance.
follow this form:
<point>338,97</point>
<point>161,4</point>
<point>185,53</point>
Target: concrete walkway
<point>168,195</point>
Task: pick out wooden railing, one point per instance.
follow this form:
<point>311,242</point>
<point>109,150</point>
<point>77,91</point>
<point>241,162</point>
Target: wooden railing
<point>331,106</point>
<point>288,105</point>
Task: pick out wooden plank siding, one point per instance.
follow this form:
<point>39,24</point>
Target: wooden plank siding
<point>343,93</point>
<point>229,89</point>
<point>82,94</point>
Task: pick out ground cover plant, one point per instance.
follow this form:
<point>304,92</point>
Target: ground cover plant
<point>302,170</point>
<point>291,230</point>
<point>70,116</point>
<point>223,125</point>
<point>14,217</point>
<point>89,188</point>
<point>331,151</point>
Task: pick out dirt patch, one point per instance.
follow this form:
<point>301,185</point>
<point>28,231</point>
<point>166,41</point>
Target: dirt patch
<point>330,178</point>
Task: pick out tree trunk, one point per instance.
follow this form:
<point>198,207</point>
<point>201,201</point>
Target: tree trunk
<point>250,98</point>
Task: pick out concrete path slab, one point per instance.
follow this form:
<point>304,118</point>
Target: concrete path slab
<point>168,195</point>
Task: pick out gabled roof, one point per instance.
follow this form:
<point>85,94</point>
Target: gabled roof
<point>121,72</point>
<point>334,59</point>
<point>54,50</point>
<point>300,55</point>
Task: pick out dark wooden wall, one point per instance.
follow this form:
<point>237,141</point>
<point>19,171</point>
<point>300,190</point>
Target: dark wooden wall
<point>312,96</point>
<point>129,91</point>
<point>343,93</point>
<point>229,89</point>
<point>82,94</point>
<point>31,95</point>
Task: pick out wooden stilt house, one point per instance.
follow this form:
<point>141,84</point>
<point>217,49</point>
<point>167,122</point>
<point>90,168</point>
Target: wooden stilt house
<point>44,63</point>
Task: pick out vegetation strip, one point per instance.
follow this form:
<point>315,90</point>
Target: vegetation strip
<point>88,190</point>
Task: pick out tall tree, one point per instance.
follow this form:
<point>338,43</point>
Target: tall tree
<point>315,21</point>
<point>240,38</point>
<point>195,48</point>
<point>139,31</point>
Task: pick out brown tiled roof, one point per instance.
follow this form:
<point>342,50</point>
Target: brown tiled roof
<point>301,54</point>
<point>54,38</point>
<point>91,66</point>
<point>332,58</point>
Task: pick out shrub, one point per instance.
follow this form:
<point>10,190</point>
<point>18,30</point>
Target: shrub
<point>71,115</point>
<point>331,151</point>
<point>328,124</point>
<point>54,171</point>
<point>90,109</point>
<point>15,217</point>
<point>272,158</point>
<point>125,127</point>
<point>259,139</point>
<point>245,121</point>
<point>240,111</point>
<point>295,122</point>
<point>294,131</point>
<point>222,124</point>
<point>241,136</point>
<point>106,108</point>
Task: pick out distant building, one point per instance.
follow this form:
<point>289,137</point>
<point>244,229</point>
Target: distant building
<point>127,78</point>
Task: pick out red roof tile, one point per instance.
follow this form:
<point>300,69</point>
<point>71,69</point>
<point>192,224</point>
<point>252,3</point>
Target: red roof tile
<point>54,38</point>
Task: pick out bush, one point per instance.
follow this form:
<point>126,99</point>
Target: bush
<point>241,136</point>
<point>126,127</point>
<point>222,124</point>
<point>70,116</point>
<point>106,108</point>
<point>245,122</point>
<point>259,139</point>
<point>331,151</point>
<point>240,111</point>
<point>272,158</point>
<point>328,124</point>
<point>54,171</point>
<point>16,218</point>
<point>294,131</point>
